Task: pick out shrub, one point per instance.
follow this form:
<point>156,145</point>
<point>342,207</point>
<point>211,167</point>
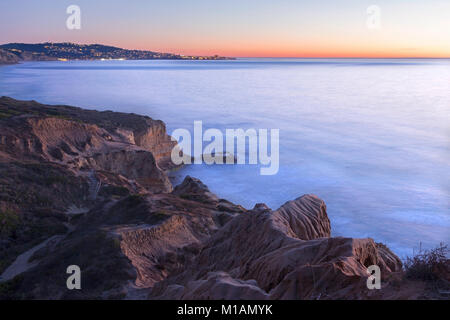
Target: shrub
<point>114,191</point>
<point>9,221</point>
<point>134,200</point>
<point>8,289</point>
<point>426,264</point>
<point>159,216</point>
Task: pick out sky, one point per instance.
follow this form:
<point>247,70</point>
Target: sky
<point>240,28</point>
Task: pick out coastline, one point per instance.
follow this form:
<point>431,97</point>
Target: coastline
<point>352,201</point>
<point>12,53</point>
<point>138,228</point>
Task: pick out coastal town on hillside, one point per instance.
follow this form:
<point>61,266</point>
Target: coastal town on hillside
<point>71,51</point>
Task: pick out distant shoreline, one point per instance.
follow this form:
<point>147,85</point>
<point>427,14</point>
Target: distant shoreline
<point>13,53</point>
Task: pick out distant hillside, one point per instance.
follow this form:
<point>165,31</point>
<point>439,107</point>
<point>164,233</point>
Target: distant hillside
<point>72,51</point>
<point>7,57</point>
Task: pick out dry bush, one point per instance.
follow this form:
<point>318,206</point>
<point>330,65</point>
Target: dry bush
<point>428,265</point>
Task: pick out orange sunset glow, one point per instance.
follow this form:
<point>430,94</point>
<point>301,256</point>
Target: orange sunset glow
<point>244,29</point>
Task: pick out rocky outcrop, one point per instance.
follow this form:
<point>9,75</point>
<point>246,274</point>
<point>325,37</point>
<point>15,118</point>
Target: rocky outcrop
<point>50,139</point>
<point>304,218</point>
<point>57,159</point>
<point>86,131</point>
<point>154,138</point>
<point>97,181</point>
<point>215,286</point>
<point>140,240</point>
<point>282,254</point>
<point>85,141</point>
<point>194,189</point>
<point>136,165</point>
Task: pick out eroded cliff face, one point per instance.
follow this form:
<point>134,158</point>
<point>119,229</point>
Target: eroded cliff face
<point>82,146</point>
<point>283,254</point>
<point>93,183</point>
<point>154,138</point>
<point>38,129</point>
<point>57,161</point>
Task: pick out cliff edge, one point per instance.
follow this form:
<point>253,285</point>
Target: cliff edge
<point>88,188</point>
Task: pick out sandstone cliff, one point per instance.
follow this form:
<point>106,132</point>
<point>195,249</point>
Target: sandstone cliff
<point>90,188</point>
<point>59,159</point>
<point>283,254</point>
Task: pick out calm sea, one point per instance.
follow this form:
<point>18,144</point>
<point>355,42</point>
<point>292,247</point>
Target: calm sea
<point>370,137</point>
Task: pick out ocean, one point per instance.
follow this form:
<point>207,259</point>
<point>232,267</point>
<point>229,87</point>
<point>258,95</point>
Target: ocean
<point>371,137</point>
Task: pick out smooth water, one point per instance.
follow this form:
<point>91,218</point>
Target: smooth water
<point>370,137</point>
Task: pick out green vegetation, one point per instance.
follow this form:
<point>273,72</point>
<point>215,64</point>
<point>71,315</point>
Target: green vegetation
<point>42,184</point>
<point>194,197</point>
<point>55,178</point>
<point>8,289</point>
<point>116,243</point>
<point>186,196</point>
<point>134,200</point>
<point>105,119</point>
<point>111,190</point>
<point>99,256</point>
<point>9,222</point>
<point>7,113</point>
<point>160,215</point>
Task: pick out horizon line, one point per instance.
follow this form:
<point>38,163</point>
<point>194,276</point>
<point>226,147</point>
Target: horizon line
<point>242,57</point>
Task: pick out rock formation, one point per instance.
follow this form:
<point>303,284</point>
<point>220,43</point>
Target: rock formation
<point>95,183</point>
<point>281,254</point>
<point>127,145</point>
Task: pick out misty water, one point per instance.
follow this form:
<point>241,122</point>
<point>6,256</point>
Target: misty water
<point>369,137</point>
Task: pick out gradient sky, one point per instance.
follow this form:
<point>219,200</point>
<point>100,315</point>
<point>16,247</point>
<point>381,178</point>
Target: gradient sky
<point>258,28</point>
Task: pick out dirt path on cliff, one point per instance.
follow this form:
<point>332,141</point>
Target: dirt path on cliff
<point>22,264</point>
